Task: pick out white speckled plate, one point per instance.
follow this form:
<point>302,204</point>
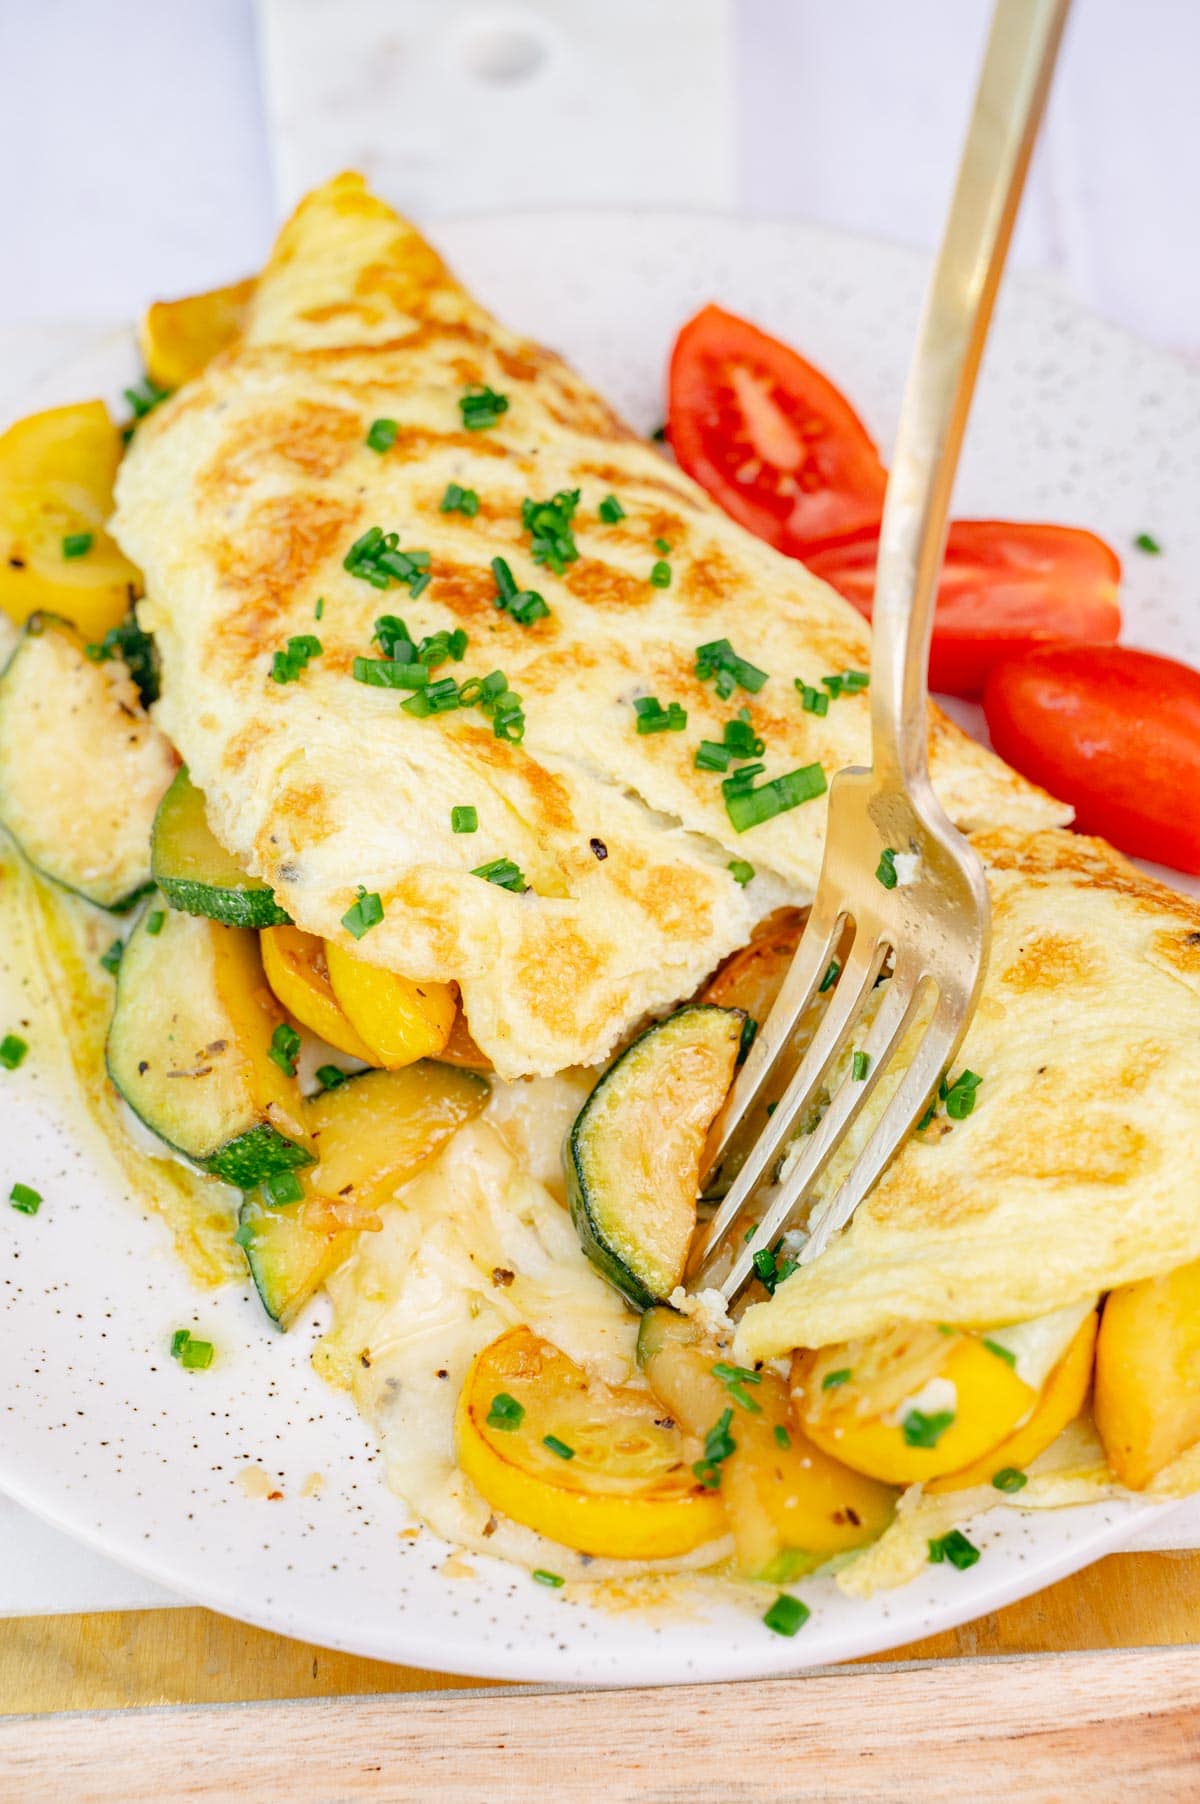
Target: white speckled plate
<point>107,1437</point>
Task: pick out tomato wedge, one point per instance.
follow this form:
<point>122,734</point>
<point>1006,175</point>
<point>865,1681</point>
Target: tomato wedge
<point>769,437</point>
<point>1006,587</point>
<point>1116,733</point>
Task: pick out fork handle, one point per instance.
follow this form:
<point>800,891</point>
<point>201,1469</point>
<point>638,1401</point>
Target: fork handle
<point>937,397</point>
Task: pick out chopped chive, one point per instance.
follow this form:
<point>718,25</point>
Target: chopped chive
<point>196,1355</point>
<point>505,1412</point>
<point>556,1446</point>
<point>504,874</point>
<point>376,558</point>
<point>155,922</point>
<point>244,1236</point>
<point>782,1437</point>
<point>959,1097</point>
<point>24,1199</point>
<point>854,681</point>
<point>364,914</point>
<point>652,717</point>
<point>660,574</point>
<point>860,1065</point>
<point>832,1380</point>
<point>390,673</point>
<point>288,666</point>
<point>77,544</point>
<point>437,648</point>
<point>787,1615</point>
<point>662,547</point>
<point>330,1076</point>
<point>12,1051</point>
<point>747,1038</point>
<point>280,1189</point>
<point>830,977</point>
<point>464,819</point>
<point>610,510</point>
<point>1147,543</point>
<point>111,959</point>
<point>885,870</point>
<point>458,500</point>
<point>813,701</point>
<point>179,1341</point>
<point>145,397</point>
<point>441,697</point>
<point>523,605</point>
<point>1004,1353</point>
<point>741,872</point>
<point>719,660</point>
<point>954,1548</point>
<point>548,524</point>
<point>541,1577</point>
<point>718,1445</point>
<point>285,1047</point>
<point>735,1379</point>
<point>382,435</point>
<point>749,807</point>
<point>922,1430</point>
<point>1009,1478</point>
<point>319,610</point>
<point>927,1117</point>
<point>481,407</point>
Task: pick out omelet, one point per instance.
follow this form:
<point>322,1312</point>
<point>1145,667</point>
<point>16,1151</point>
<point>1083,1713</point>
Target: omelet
<point>1075,1172</point>
<point>240,500</point>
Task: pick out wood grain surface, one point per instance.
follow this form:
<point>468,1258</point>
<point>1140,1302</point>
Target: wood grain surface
<point>136,1657</point>
<point>1118,1726</point>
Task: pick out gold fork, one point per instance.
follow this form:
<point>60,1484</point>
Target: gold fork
<point>898,882</point>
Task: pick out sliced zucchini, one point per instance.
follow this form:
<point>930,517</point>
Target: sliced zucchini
<point>791,1507</point>
<point>633,1156</point>
<point>371,1134</point>
<point>82,765</point>
<point>196,874</point>
<point>189,1049</point>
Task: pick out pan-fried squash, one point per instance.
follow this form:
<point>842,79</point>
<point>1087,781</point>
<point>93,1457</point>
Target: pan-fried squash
<point>178,338</point>
<point>371,1134</point>
<point>82,766</point>
<point>190,1049</point>
<point>400,1019</point>
<point>298,972</point>
<point>195,872</point>
<point>1147,1399</point>
<point>56,492</point>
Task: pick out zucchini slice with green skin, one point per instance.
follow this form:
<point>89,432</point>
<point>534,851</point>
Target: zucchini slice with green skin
<point>195,872</point>
<point>371,1134</point>
<point>189,1049</point>
<point>633,1156</point>
<point>791,1506</point>
<point>82,765</point>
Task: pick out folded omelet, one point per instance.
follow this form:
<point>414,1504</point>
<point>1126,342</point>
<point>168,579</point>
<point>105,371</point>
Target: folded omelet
<point>1076,1171</point>
<point>240,499</point>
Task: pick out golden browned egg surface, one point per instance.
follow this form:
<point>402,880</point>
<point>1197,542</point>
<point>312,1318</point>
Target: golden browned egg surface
<point>239,500</point>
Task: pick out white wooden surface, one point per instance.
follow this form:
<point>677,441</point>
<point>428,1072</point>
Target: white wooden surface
<point>1114,1728</point>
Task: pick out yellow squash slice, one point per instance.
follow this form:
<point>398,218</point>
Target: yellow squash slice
<point>1147,1400</point>
<point>298,972</point>
<point>179,337</point>
<point>400,1019</point>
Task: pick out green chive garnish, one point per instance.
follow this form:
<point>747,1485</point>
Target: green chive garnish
<point>610,510</point>
<point>1004,1353</point>
<point>1009,1478</point>
<point>12,1051</point>
<point>285,1046</point>
<point>541,1577</point>
<point>556,1446</point>
<point>145,397</point>
<point>782,1437</point>
<point>376,558</point>
<point>549,525</point>
<point>921,1430</point>
<point>288,666</point>
<point>740,871</point>
<point>885,870</point>
<point>319,610</point>
<point>481,407</point>
<point>718,1445</point>
<point>382,435</point>
<point>832,1380</point>
<point>719,660</point>
<point>505,1412</point>
<point>787,1615</point>
<point>813,701</point>
<point>464,819</point>
<point>660,574</point>
<point>523,605</point>
<point>1145,542</point>
<point>196,1355</point>
<point>830,977</point>
<point>24,1199</point>
<point>330,1076</point>
<point>860,1064</point>
<point>735,1379</point>
<point>504,874</point>
<point>959,1097</point>
<point>179,1341</point>
<point>749,807</point>
<point>652,717</point>
<point>458,500</point>
<point>77,544</point>
<point>156,922</point>
<point>280,1189</point>
<point>111,959</point>
<point>953,1548</point>
<point>364,914</point>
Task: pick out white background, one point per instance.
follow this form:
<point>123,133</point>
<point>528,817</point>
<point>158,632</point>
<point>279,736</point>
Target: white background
<point>147,147</point>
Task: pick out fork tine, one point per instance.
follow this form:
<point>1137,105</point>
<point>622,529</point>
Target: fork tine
<point>895,1015</point>
<point>933,1055</point>
<point>845,1005</point>
<point>800,985</point>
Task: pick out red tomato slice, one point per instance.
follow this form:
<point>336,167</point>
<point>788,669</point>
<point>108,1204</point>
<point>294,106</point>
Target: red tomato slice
<point>1114,732</point>
<point>768,436</point>
<point>1005,588</point>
